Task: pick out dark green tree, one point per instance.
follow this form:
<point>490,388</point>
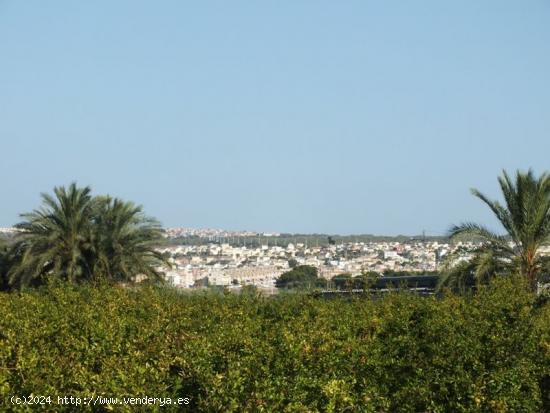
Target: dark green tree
<point>302,276</point>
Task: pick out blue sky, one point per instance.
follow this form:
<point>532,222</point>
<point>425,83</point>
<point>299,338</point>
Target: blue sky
<point>298,116</point>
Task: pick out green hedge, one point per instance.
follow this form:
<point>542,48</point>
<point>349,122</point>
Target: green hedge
<point>226,352</point>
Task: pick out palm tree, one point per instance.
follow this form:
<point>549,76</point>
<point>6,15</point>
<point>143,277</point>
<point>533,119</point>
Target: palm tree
<point>54,241</point>
<point>525,216</point>
<point>124,241</point>
<point>77,237</point>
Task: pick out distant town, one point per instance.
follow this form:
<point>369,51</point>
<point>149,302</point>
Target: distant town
<point>233,259</point>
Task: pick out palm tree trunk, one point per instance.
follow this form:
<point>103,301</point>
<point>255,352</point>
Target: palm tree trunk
<point>531,270</point>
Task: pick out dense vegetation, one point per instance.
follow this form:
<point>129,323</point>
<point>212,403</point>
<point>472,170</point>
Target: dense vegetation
<point>489,352</point>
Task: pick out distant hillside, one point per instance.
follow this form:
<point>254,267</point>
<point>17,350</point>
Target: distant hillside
<point>309,239</point>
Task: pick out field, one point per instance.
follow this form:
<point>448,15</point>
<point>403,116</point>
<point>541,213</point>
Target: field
<point>224,352</point>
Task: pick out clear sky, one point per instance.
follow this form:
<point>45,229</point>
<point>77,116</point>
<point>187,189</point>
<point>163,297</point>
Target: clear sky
<point>298,116</point>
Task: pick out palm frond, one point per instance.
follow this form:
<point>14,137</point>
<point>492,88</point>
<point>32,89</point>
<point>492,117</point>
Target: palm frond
<point>525,215</point>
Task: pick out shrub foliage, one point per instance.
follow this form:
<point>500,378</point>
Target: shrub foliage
<point>489,352</point>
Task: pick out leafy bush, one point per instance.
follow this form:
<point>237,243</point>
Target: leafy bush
<point>295,353</point>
